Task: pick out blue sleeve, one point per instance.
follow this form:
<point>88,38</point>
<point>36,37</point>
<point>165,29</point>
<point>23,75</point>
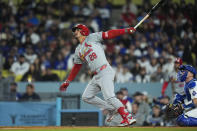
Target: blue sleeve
<point>192,85</point>
<point>189,106</point>
<point>179,98</point>
<point>130,99</point>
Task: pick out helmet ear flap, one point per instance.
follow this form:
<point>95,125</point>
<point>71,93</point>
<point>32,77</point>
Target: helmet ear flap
<point>82,32</point>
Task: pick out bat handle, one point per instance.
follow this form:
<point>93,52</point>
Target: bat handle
<point>140,22</point>
<point>132,30</point>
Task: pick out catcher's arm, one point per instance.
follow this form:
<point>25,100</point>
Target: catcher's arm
<point>195,102</point>
<point>179,98</point>
<point>193,93</point>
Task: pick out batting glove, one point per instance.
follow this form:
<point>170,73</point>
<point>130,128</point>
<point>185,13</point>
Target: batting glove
<point>64,85</point>
<point>130,30</point>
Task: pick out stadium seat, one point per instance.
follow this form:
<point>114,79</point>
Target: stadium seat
<point>6,73</point>
<point>18,78</point>
<point>60,73</point>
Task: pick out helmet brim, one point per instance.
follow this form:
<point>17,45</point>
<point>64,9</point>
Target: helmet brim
<point>74,29</point>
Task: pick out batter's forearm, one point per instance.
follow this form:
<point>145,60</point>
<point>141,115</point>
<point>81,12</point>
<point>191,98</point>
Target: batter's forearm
<point>75,70</point>
<point>116,32</point>
<point>113,33</point>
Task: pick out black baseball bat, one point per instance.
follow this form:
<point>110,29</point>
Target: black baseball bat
<point>155,7</point>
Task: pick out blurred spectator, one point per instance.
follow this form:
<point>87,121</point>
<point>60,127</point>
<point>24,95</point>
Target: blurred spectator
<point>126,94</point>
<point>59,63</point>
<point>136,69</point>
<point>32,74</point>
<point>105,13</point>
<point>110,47</point>
<point>30,37</point>
<point>8,63</point>
<point>13,94</point>
<point>30,94</point>
<point>38,66</point>
<point>129,12</point>
<point>143,106</point>
<point>85,8</point>
<point>155,119</point>
<point>131,59</point>
<point>137,115</point>
<point>1,61</point>
<point>124,76</point>
<point>145,98</point>
<point>161,61</point>
<point>158,76</point>
<point>130,6</point>
<point>162,101</point>
<point>169,65</point>
<point>138,51</point>
<point>30,55</point>
<point>47,75</point>
<point>33,20</point>
<point>45,63</point>
<point>152,54</point>
<point>142,77</point>
<point>143,61</point>
<point>152,67</point>
<point>20,67</point>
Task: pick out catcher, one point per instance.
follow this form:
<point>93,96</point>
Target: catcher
<point>184,107</point>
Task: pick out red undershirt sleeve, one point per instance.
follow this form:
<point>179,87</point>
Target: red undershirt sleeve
<point>75,70</point>
<point>164,87</point>
<point>113,33</point>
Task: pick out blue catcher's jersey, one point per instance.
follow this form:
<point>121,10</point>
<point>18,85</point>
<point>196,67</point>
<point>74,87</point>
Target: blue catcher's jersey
<point>190,90</point>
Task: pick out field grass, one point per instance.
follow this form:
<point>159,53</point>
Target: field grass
<point>98,128</point>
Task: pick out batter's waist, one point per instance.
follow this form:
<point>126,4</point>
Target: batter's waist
<point>100,69</point>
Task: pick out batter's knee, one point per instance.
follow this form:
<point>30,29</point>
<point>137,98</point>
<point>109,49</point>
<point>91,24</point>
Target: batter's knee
<point>86,98</point>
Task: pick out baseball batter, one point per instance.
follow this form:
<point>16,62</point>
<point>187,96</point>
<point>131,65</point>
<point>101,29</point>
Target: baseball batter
<point>90,51</point>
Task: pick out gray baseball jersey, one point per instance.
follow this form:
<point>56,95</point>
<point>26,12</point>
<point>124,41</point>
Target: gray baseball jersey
<point>91,52</point>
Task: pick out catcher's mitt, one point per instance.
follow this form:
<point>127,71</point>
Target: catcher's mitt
<point>173,111</point>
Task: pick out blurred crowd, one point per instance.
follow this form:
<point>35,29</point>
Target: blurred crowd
<point>36,38</point>
<point>147,111</point>
<point>12,94</point>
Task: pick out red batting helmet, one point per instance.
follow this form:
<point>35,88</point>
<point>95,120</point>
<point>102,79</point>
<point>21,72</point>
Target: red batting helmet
<point>178,60</point>
<point>84,29</point>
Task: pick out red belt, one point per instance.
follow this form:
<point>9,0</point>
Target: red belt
<point>100,69</point>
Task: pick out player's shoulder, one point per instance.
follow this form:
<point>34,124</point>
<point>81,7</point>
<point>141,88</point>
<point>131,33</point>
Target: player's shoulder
<point>95,34</point>
<point>192,84</point>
